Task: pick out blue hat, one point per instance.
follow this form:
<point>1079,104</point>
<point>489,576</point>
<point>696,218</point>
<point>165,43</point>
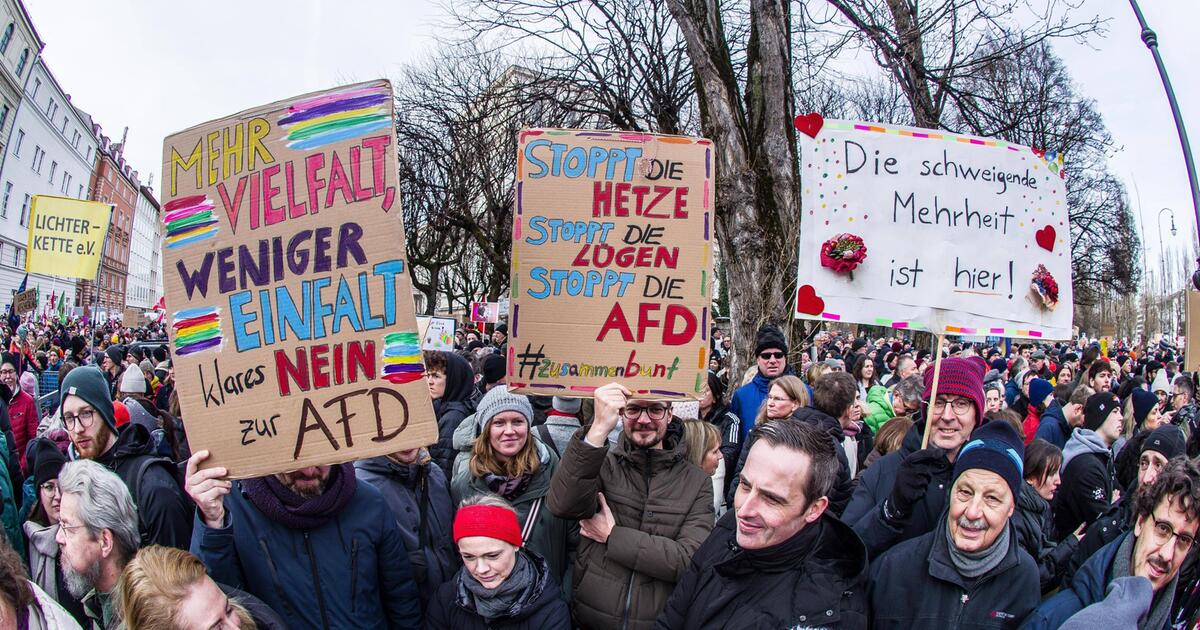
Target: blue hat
<point>1143,402</point>
<point>994,446</point>
<point>1039,389</point>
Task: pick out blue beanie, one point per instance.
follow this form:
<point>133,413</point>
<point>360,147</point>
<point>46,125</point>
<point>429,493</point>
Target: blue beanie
<point>1039,389</point>
<point>1143,402</point>
<point>994,446</point>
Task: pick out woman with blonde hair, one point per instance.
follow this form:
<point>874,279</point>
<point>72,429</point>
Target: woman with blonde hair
<point>786,395</point>
<point>704,450</point>
<point>509,461</point>
<point>166,588</point>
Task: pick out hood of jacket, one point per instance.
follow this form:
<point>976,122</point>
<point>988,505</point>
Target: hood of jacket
<point>133,441</point>
<point>823,421</point>
<point>406,474</point>
<point>674,448</point>
<point>464,436</point>
<point>827,545</point>
<point>1031,502</point>
<point>1084,441</point>
<point>138,414</point>
<point>460,381</point>
<point>42,538</point>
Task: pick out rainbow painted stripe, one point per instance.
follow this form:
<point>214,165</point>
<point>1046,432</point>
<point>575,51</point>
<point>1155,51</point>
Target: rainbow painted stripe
<point>196,329</point>
<point>189,220</point>
<point>402,361</point>
<point>335,117</point>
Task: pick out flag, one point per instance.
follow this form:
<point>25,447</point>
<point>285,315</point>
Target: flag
<point>62,309</point>
<point>24,281</point>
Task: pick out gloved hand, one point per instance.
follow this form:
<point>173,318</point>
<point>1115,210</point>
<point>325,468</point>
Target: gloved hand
<point>912,480</point>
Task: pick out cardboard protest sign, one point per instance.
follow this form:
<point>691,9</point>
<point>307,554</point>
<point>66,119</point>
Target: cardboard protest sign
<point>1191,353</point>
<point>66,236</point>
<point>291,314</point>
<point>611,263</point>
<point>485,312</point>
<point>131,318</point>
<point>437,333</point>
<point>25,302</point>
<point>926,230</point>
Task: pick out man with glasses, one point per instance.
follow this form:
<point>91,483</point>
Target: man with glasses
<point>164,512</point>
<point>643,510</point>
<point>903,494</point>
<point>1183,403</point>
<point>1166,518</point>
<point>771,353</point>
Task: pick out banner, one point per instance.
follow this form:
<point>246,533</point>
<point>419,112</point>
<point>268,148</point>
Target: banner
<point>925,230</point>
<point>485,312</point>
<point>25,302</point>
<point>1191,352</point>
<point>291,315</point>
<point>611,263</point>
<point>66,236</point>
<point>437,333</point>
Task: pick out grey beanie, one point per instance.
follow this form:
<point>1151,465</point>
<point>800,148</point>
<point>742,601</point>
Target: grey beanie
<point>88,383</point>
<point>566,405</point>
<point>499,400</point>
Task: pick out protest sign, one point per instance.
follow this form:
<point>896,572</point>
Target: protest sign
<point>927,230</point>
<point>1191,353</point>
<point>131,318</point>
<point>25,302</point>
<point>611,263</point>
<point>291,314</point>
<point>66,236</point>
<point>485,312</point>
<point>437,333</point>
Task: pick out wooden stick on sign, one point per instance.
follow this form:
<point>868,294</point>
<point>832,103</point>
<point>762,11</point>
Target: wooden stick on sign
<point>937,373</point>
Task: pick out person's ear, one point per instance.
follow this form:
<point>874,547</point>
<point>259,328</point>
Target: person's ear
<point>815,510</point>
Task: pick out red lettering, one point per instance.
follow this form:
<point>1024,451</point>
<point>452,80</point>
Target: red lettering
<point>632,367</point>
<point>644,321</point>
<point>271,214</point>
<point>360,359</point>
<point>668,258</point>
<point>681,202</point>
<point>287,372</point>
<point>295,210</point>
<point>313,164</point>
<point>616,320</point>
<point>601,199</point>
<point>660,192</point>
<point>254,198</point>
<point>338,366</point>
<point>377,145</point>
<point>337,182</point>
<point>675,313</point>
<point>232,207</point>
<point>581,257</point>
<point>320,363</point>
<point>360,193</point>
<point>622,199</point>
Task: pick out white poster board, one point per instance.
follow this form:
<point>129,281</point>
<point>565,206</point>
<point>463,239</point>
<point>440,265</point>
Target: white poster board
<point>954,227</point>
<point>437,333</point>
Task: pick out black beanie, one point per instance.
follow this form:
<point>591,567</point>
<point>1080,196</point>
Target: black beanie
<point>1097,409</point>
<point>492,369</point>
<point>769,336</point>
<point>116,354</point>
<point>48,461</point>
<point>1167,439</point>
<point>88,383</point>
<point>994,446</point>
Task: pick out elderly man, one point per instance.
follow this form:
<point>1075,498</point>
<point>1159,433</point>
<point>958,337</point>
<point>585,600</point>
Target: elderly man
<point>779,559</point>
<point>643,508</point>
<point>903,494</point>
<point>1166,518</point>
<point>771,351</point>
<point>97,536</point>
<point>970,571</point>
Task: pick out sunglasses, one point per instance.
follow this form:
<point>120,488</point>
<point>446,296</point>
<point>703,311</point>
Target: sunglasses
<point>771,355</point>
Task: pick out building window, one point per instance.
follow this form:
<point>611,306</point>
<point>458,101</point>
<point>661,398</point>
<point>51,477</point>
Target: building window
<point>21,62</point>
<point>51,110</point>
<point>3,116</point>
<point>53,170</point>
<point>8,30</point>
<point>37,85</point>
<point>4,203</point>
<point>38,156</point>
<point>66,183</point>
<point>80,195</point>
<point>25,210</point>
<point>20,258</point>
<point>17,144</point>
<point>64,127</point>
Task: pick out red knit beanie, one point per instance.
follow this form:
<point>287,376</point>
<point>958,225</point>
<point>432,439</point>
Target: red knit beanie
<point>120,414</point>
<point>488,521</point>
<point>960,377</point>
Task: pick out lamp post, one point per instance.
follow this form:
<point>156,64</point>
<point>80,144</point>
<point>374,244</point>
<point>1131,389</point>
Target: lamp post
<point>1162,248</point>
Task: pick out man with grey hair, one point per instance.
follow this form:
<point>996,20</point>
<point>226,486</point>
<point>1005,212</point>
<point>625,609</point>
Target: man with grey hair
<point>97,536</point>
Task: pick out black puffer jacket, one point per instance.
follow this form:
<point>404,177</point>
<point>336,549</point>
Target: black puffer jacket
<point>164,511</point>
<point>1034,525</point>
<point>454,405</point>
<point>1087,481</point>
<point>540,608</point>
<point>1107,528</point>
<point>865,512</point>
<point>817,577</point>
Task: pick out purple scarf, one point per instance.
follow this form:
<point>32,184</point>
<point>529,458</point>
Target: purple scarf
<point>293,511</point>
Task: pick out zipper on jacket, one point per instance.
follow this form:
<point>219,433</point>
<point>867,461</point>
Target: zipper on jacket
<point>312,560</point>
<point>628,601</point>
<point>354,576</point>
<point>283,597</point>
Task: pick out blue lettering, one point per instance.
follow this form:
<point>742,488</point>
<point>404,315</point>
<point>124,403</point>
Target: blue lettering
<point>534,161</point>
<point>244,339</point>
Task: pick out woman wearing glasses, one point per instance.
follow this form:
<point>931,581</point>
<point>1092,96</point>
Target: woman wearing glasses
<point>42,526</point>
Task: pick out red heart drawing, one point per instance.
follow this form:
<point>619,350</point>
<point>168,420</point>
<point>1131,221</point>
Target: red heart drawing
<point>1039,152</point>
<point>809,124</point>
<point>1045,238</point>
<point>807,301</point>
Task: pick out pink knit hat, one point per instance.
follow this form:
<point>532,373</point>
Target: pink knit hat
<point>960,377</point>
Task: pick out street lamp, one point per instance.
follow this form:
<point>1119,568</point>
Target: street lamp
<point>1162,247</point>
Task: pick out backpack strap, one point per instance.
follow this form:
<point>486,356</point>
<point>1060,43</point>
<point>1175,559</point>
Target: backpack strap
<point>544,433</point>
<point>531,519</point>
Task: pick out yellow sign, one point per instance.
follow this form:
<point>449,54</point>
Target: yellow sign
<point>66,236</point>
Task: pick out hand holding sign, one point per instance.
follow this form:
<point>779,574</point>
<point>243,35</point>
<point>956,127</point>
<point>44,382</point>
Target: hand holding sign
<point>207,488</point>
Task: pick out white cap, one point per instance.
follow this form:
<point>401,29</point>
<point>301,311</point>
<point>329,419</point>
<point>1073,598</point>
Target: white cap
<point>133,381</point>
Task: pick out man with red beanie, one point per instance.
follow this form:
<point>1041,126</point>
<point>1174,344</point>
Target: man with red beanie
<point>902,495</point>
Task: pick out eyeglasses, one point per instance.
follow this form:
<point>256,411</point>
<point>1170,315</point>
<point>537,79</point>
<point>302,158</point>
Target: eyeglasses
<point>85,419</point>
<point>1164,532</point>
<point>770,355</point>
<point>50,486</point>
<point>655,413</point>
<point>779,399</point>
<point>960,406</point>
<point>7,372</point>
<point>69,528</point>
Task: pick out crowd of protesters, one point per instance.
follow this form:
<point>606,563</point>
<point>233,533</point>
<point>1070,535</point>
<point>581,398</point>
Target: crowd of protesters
<point>1055,485</point>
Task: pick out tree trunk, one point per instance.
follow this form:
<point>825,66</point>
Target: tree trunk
<point>757,201</point>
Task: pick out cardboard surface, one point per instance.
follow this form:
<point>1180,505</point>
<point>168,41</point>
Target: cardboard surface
<point>66,236</point>
<point>611,263</point>
<point>954,226</point>
<point>291,315</point>
<point>1191,354</point>
<point>132,317</point>
<point>25,302</point>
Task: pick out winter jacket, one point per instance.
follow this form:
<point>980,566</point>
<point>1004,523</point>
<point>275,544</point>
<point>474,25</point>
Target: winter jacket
<point>916,585</point>
<point>44,567</point>
<point>1029,426</point>
<point>419,497</point>
<point>540,608</point>
<point>865,511</point>
<point>1087,481</point>
<point>553,538</point>
<point>454,405</point>
<point>879,408</point>
<point>816,577</point>
<point>1053,426</point>
<point>164,510</point>
<point>46,614</point>
<point>1105,529</point>
<point>1034,527</point>
<point>1012,389</point>
<point>23,414</point>
<point>663,507</point>
<point>729,425</point>
<point>1128,459</point>
<point>746,402</point>
<point>8,502</point>
<point>352,572</point>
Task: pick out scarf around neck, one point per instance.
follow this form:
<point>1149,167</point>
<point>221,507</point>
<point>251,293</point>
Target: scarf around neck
<point>293,511</point>
<point>507,487</point>
<point>505,599</point>
<point>976,563</point>
<point>1160,606</point>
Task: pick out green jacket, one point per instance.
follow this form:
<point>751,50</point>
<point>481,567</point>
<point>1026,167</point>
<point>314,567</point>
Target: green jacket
<point>879,407</point>
<point>8,504</point>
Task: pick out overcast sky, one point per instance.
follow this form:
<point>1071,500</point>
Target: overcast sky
<point>159,71</point>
